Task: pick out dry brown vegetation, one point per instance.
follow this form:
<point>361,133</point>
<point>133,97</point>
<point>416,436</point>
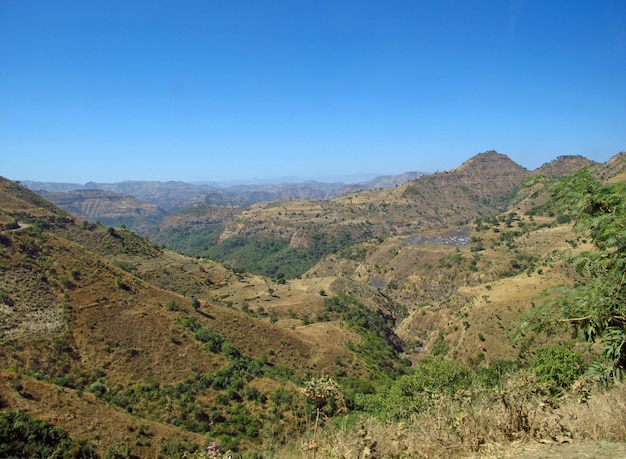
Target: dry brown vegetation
<point>512,422</point>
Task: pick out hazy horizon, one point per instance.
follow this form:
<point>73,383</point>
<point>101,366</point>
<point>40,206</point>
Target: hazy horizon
<point>347,179</point>
<point>226,91</point>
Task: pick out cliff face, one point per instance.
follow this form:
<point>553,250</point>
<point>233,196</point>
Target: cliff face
<point>97,204</point>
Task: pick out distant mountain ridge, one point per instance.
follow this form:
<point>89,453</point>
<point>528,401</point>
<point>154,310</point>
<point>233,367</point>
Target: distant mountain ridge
<point>108,207</point>
<point>172,196</point>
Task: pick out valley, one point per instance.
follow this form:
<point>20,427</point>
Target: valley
<point>396,312</point>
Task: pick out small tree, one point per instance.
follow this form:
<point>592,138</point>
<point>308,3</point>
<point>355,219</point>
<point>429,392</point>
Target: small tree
<point>597,304</point>
<point>324,393</point>
<point>273,318</point>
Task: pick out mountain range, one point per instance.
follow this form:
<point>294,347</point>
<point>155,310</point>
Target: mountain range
<point>145,351</point>
<point>173,195</point>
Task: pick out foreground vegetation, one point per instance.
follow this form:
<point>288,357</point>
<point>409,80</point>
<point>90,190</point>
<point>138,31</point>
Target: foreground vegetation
<point>442,409</point>
<point>596,305</point>
<point>499,422</point>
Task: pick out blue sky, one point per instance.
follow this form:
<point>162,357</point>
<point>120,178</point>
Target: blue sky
<point>230,89</point>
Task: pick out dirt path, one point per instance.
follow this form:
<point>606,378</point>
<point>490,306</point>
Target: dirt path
<point>576,450</point>
<point>20,226</point>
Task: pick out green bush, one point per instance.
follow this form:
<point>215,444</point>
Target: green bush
<point>229,350</point>
<point>172,305</point>
<point>212,340</point>
<point>191,323</point>
<point>21,436</point>
<point>416,392</point>
<point>558,367</point>
<point>97,388</point>
<point>596,305</point>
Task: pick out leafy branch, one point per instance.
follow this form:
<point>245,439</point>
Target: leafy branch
<point>597,304</point>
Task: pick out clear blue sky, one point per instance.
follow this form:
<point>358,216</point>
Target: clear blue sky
<point>228,89</point>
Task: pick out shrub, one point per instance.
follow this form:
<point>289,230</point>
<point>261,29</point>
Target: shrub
<point>191,323</point>
<point>596,305</point>
<point>212,340</point>
<point>65,282</point>
<point>324,393</point>
<point>440,347</point>
<point>558,367</point>
<point>21,436</point>
<point>229,350</point>
<point>417,392</point>
<point>122,285</point>
<point>273,318</point>
<point>97,388</point>
<point>125,265</point>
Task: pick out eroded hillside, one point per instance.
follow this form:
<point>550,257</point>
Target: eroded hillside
<point>110,208</point>
<point>178,350</point>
